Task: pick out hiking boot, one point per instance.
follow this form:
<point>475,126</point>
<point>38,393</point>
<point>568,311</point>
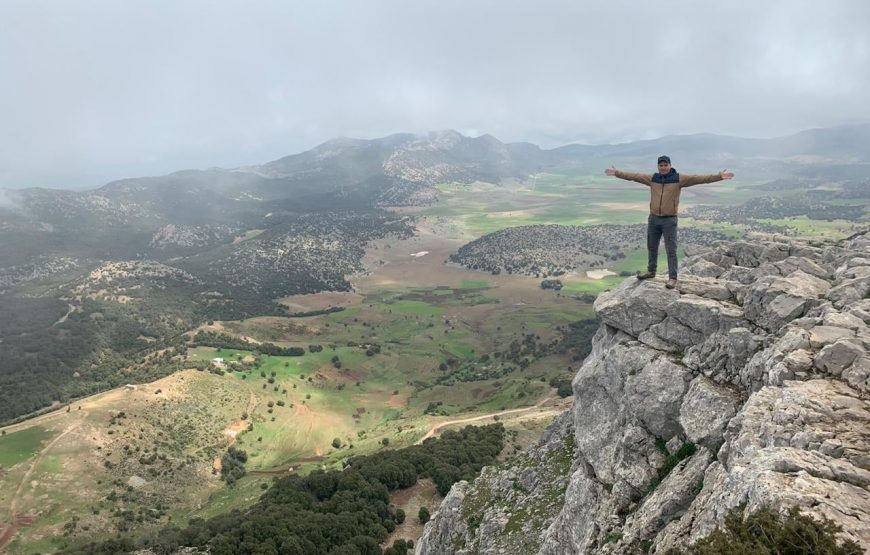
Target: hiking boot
<point>647,275</point>
<point>671,283</point>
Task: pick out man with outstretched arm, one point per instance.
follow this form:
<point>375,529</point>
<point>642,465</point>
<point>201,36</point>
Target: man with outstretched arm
<point>665,186</point>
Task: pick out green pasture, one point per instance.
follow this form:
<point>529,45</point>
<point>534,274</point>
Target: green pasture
<point>20,446</point>
<point>592,286</point>
<point>814,229</point>
<point>551,199</point>
<point>210,353</point>
<point>572,197</point>
<point>223,500</point>
<point>418,308</point>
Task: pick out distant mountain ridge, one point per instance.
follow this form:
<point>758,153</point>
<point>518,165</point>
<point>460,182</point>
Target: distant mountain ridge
<point>355,168</point>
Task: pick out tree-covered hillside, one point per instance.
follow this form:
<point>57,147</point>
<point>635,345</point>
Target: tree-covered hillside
<point>344,512</point>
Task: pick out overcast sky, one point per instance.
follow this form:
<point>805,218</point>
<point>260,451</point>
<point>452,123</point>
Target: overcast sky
<point>98,90</point>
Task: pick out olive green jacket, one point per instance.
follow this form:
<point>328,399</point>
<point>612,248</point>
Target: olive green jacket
<point>665,198</point>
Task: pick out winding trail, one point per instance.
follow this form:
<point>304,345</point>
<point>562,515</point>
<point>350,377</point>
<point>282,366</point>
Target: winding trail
<point>437,427</point>
<point>12,527</point>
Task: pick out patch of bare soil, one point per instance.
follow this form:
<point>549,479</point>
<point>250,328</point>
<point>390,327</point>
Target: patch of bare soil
<point>422,494</point>
<point>234,429</point>
<point>21,520</point>
<point>397,402</point>
<point>320,301</point>
<point>343,375</point>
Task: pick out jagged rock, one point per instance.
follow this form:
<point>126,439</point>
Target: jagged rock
<point>850,291</point>
<point>773,302</point>
<point>844,320</point>
<point>798,361</point>
<point>669,501</point>
<point>721,356</point>
<point>674,444</point>
<point>703,269</point>
<point>705,316</point>
<point>707,288</point>
<point>654,394</point>
<point>837,356</point>
<point>446,528</point>
<point>740,274</point>
<point>861,310</point>
<point>753,255</point>
<point>858,375</point>
<point>772,370</point>
<point>670,335</point>
<point>634,306</point>
<point>507,506</point>
<point>825,335</point>
<point>576,526</point>
<point>773,455</point>
<point>706,410</point>
<point>791,264</point>
<point>600,402</point>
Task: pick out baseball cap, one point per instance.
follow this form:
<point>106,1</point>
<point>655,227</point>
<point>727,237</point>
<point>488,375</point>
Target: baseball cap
<point>664,158</point>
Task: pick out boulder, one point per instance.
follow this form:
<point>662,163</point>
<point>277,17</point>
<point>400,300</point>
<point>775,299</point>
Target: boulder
<point>850,291</point>
<point>635,305</point>
<point>654,396</point>
<point>837,356</point>
<point>773,302</point>
<point>706,410</point>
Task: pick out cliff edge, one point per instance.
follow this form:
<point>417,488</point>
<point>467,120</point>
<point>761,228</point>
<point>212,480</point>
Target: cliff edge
<point>748,385</point>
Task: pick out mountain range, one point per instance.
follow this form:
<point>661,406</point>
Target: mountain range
<point>224,243</point>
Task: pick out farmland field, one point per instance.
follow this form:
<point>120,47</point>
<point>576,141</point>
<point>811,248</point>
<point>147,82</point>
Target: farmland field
<point>417,344</point>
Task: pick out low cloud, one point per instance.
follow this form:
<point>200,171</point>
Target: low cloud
<point>120,89</point>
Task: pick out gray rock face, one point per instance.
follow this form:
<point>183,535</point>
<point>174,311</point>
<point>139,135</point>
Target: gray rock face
<point>754,375</point>
<point>634,306</point>
<point>804,444</point>
<point>773,302</point>
<point>706,410</point>
<point>442,532</point>
<point>837,356</point>
<point>654,395</point>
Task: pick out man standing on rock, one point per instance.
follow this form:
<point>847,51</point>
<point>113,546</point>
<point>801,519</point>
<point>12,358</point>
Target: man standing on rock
<point>665,186</point>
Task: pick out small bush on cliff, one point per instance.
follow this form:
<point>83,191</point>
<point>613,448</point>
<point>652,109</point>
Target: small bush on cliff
<point>767,532</point>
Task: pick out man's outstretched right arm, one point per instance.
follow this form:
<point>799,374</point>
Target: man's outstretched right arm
<point>638,177</point>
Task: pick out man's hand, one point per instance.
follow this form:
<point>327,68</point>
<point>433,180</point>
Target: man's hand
<point>611,171</point>
<point>725,174</point>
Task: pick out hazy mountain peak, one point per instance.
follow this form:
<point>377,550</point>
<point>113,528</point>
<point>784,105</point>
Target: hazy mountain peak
<point>444,140</point>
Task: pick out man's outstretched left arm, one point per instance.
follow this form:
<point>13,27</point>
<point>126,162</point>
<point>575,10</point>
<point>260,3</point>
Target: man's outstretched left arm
<point>689,180</point>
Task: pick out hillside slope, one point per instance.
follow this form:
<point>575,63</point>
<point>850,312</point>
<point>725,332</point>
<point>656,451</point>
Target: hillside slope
<point>753,378</point>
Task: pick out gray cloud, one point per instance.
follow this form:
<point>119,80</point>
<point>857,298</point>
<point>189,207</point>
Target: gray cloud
<point>96,90</point>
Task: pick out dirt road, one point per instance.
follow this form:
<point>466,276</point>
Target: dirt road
<point>437,427</point>
<point>15,519</point>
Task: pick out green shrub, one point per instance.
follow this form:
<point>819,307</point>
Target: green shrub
<point>767,532</point>
<point>671,460</point>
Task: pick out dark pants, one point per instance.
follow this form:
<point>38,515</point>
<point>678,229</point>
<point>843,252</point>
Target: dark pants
<point>656,227</point>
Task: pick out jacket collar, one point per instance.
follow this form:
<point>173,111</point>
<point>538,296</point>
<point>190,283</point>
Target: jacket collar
<point>670,177</point>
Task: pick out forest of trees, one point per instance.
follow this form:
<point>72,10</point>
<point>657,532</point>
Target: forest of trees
<point>338,512</point>
<point>226,341</point>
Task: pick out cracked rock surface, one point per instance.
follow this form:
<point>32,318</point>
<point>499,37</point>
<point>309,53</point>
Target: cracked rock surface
<point>747,385</point>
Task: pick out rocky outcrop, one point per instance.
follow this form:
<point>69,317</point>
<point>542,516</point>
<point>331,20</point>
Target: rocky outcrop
<point>748,385</point>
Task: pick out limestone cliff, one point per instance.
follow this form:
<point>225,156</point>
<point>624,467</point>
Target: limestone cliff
<point>749,384</point>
